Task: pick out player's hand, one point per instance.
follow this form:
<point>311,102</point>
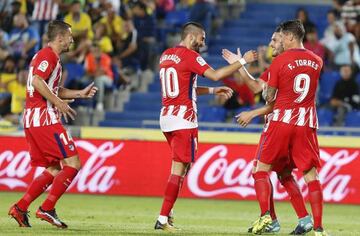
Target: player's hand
<point>250,56</point>
<point>231,57</point>
<point>244,118</point>
<point>65,110</point>
<point>223,91</point>
<point>89,91</point>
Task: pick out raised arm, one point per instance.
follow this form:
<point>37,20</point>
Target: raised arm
<point>255,85</point>
<point>222,91</point>
<point>225,71</point>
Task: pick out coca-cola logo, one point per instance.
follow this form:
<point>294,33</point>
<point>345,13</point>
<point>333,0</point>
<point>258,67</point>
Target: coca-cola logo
<point>94,176</point>
<point>213,174</point>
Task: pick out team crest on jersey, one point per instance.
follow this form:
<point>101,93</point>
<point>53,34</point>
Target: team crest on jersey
<point>71,147</point>
<point>43,66</point>
<point>201,61</point>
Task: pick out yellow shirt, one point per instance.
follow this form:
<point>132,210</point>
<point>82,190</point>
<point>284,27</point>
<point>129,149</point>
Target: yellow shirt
<point>83,24</point>
<point>18,95</point>
<point>106,45</point>
<point>118,25</point>
<point>5,78</point>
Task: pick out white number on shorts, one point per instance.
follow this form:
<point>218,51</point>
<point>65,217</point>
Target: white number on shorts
<point>29,86</point>
<point>169,82</point>
<point>301,86</point>
<point>65,137</point>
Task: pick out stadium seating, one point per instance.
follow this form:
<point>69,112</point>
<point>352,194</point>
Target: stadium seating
<point>325,116</point>
<point>327,84</point>
<point>352,119</point>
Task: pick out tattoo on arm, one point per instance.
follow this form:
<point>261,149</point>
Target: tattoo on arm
<point>270,94</point>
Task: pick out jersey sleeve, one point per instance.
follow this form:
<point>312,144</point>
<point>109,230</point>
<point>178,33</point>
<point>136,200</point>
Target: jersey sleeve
<point>274,69</point>
<point>197,64</point>
<point>44,65</point>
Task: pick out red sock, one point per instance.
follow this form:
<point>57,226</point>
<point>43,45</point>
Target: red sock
<point>35,189</point>
<point>296,198</point>
<point>263,190</point>
<point>171,194</point>
<point>316,202</point>
<point>272,206</point>
<point>60,184</point>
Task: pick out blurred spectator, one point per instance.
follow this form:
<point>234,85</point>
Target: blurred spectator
<point>44,11</point>
<point>346,95</point>
<point>302,15</point>
<point>4,38</point>
<point>24,41</point>
<point>82,31</point>
<point>329,35</point>
<point>127,52</point>
<point>114,25</point>
<point>7,75</point>
<point>242,96</point>
<point>145,25</point>
<point>103,39</point>
<point>98,69</point>
<point>163,7</point>
<point>7,21</point>
<point>350,12</point>
<point>203,11</point>
<point>344,48</point>
<point>312,43</point>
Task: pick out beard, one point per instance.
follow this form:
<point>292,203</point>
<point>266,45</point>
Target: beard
<point>195,46</point>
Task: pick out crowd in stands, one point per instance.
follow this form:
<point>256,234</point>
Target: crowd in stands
<point>117,43</point>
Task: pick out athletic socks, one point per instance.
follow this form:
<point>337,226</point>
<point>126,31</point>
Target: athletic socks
<point>59,186</point>
<point>35,189</point>
<point>171,194</point>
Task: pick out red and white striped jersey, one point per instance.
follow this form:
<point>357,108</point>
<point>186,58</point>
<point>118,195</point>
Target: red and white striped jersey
<point>45,10</point>
<point>38,111</point>
<point>295,73</point>
<point>179,67</point>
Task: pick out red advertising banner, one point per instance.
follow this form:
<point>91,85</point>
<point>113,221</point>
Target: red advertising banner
<point>141,168</point>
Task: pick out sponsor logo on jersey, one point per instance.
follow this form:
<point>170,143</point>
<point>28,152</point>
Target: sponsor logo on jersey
<point>201,61</point>
<point>43,66</point>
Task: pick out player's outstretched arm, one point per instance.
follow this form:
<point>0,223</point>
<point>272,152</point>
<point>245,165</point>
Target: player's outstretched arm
<point>88,92</point>
<point>65,110</point>
<point>244,118</point>
<point>255,85</point>
<point>222,91</point>
<point>226,71</point>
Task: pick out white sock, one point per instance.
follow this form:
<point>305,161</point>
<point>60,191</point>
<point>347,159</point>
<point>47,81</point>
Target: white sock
<point>163,219</point>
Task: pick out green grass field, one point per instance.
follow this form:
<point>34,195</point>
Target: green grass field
<point>113,215</point>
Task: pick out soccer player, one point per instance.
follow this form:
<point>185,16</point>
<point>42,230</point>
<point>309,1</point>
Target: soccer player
<point>179,67</point>
<point>50,144</point>
<point>292,84</point>
<point>284,170</point>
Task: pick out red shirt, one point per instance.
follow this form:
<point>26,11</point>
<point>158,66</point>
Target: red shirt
<point>295,73</point>
<point>179,67</point>
<point>39,111</point>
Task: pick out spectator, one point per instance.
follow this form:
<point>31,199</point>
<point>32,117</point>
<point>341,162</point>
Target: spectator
<point>127,53</point>
<point>98,69</point>
<point>329,35</point>
<point>302,15</point>
<point>203,11</point>
<point>312,43</point>
<point>24,41</point>
<point>7,75</point>
<point>44,11</point>
<point>145,25</point>
<point>163,7</point>
<point>346,95</point>
<point>8,19</point>
<point>103,39</point>
<point>350,12</point>
<point>344,48</point>
<point>82,31</point>
<point>4,38</point>
<point>114,26</point>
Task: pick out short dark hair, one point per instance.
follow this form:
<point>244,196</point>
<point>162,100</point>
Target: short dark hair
<point>190,27</point>
<point>57,27</point>
<point>277,29</point>
<point>294,27</point>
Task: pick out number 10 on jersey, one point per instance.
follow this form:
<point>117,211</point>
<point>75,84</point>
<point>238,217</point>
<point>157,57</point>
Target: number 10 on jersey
<point>169,82</point>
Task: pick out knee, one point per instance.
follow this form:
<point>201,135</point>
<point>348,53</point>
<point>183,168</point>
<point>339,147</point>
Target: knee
<point>73,162</point>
